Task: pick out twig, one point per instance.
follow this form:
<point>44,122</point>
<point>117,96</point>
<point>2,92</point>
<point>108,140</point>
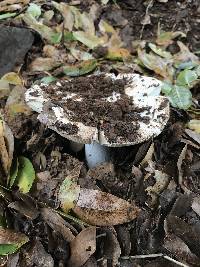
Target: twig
<point>150,4</point>
<point>175,261</point>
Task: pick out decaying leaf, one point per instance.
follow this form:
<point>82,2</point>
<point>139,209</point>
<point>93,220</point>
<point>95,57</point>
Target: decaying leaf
<point>15,103</point>
<point>68,194</point>
<point>58,224</point>
<point>44,64</point>
<point>159,51</point>
<point>12,78</point>
<point>6,146</point>
<point>162,181</point>
<point>82,247</point>
<point>179,165</point>
<point>26,175</point>
<point>67,13</point>
<point>112,248</point>
<point>117,54</point>
<point>88,39</point>
<point>100,208</point>
<point>165,38</point>
<point>11,5</point>
<point>11,241</point>
<point>159,65</point>
<point>79,69</point>
<point>194,125</point>
<point>180,250</point>
<point>185,55</point>
<point>46,32</point>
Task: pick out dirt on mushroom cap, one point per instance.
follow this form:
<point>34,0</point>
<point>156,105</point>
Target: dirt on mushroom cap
<point>112,110</point>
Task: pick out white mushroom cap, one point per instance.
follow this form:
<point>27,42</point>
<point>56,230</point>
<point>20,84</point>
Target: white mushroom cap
<point>143,91</point>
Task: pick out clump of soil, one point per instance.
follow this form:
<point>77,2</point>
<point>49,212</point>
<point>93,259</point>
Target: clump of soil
<point>117,118</point>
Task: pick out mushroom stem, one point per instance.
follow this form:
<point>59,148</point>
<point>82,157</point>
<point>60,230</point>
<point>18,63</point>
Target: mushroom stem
<point>76,147</point>
<point>96,154</point>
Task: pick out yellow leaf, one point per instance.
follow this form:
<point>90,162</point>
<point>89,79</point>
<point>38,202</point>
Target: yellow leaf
<point>12,78</point>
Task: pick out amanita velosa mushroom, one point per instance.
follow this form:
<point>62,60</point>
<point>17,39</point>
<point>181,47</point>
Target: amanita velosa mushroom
<point>102,110</point>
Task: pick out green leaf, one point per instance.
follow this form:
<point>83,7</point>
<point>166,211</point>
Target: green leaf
<point>7,15</point>
<point>167,88</point>
<point>13,172</point>
<point>186,77</point>
<point>48,79</point>
<point>25,175</point>
<point>34,10</point>
<point>81,68</point>
<point>179,96</point>
<point>56,38</point>
<point>11,241</point>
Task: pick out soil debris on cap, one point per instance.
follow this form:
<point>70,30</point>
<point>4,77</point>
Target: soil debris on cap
<point>101,101</point>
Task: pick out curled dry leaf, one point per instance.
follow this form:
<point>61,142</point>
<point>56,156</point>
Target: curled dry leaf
<point>6,146</point>
<point>100,208</point>
<point>11,241</point>
<point>162,181</point>
<point>82,247</point>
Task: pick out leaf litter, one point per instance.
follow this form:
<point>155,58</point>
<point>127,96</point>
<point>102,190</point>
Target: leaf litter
<point>142,208</point>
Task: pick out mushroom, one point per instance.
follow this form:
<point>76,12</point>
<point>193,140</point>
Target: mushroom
<point>102,111</point>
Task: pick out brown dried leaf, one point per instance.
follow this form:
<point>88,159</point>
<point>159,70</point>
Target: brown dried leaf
<point>100,208</point>
<point>58,224</point>
<point>82,247</point>
<point>11,5</point>
<point>179,166</point>
<point>43,64</point>
<point>180,250</point>
<point>6,146</point>
<point>112,248</point>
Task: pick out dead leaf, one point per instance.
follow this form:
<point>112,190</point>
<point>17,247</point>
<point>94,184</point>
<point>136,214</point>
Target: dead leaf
<point>11,5</point>
<point>78,69</point>
<point>44,64</point>
<point>117,54</point>
<point>67,14</point>
<point>100,208</point>
<point>185,55</point>
<point>58,224</point>
<point>159,65</point>
<point>195,136</point>
<point>82,247</point>
<point>6,146</point>
<point>89,39</point>
<point>166,38</point>
<point>11,241</point>
<point>15,103</point>
<point>112,250</point>
<point>180,250</point>
<point>194,125</point>
<point>179,166</point>
<point>46,32</point>
<point>162,181</point>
